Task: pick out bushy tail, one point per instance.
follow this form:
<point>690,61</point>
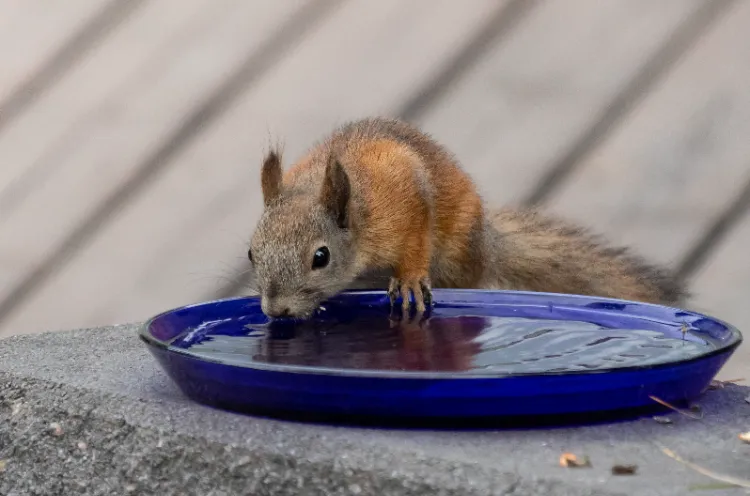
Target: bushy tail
<point>543,253</point>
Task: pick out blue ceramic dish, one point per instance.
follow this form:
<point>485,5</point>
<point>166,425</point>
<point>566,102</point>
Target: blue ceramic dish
<point>432,390</point>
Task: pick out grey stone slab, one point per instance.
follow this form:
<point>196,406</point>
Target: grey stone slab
<point>90,412</point>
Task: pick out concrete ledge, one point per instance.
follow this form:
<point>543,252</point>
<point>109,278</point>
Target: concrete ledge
<point>90,412</point>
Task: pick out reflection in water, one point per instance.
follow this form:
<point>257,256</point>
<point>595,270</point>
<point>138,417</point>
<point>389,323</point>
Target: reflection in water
<point>441,343</point>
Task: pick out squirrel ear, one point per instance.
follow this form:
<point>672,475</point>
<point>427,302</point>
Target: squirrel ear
<point>270,177</point>
<point>336,192</point>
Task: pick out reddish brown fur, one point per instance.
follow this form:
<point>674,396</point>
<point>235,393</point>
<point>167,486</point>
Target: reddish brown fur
<point>413,206</point>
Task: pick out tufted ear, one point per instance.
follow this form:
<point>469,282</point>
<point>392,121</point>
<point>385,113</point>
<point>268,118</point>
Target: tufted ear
<point>270,177</point>
<point>336,192</point>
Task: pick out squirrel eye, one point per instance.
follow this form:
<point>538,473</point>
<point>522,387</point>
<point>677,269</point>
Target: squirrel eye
<point>321,258</point>
<point>250,255</point>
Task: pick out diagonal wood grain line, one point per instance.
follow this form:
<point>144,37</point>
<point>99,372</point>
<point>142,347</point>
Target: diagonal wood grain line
<point>652,72</point>
<point>66,57</point>
<point>258,62</point>
<point>713,236</point>
<point>500,24</point>
<point>497,27</point>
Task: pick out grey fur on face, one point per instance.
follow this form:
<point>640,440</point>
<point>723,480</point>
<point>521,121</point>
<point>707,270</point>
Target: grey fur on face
<point>283,247</point>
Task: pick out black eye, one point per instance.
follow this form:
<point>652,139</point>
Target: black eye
<point>250,255</point>
<point>321,258</point>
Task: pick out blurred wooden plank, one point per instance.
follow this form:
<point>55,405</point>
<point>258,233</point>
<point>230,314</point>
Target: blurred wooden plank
<point>532,97</point>
<point>31,32</point>
<point>176,65</point>
<point>38,151</point>
<point>662,179</point>
<point>36,144</point>
<point>722,289</point>
<point>192,223</point>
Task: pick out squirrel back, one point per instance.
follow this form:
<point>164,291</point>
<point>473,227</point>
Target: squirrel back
<point>379,197</point>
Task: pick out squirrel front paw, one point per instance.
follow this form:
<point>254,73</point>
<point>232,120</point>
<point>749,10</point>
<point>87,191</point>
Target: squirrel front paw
<point>420,287</point>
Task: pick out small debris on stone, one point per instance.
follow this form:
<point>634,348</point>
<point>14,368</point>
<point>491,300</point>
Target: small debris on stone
<point>3,464</point>
<point>724,478</point>
<point>570,460</point>
<point>624,469</point>
<point>747,400</point>
<point>716,486</point>
<point>716,384</point>
<point>82,446</point>
<point>744,437</point>
<point>662,420</point>
<point>130,488</point>
<point>56,429</point>
<point>694,412</point>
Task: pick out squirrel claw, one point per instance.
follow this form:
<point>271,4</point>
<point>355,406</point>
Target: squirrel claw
<point>421,289</point>
<point>393,291</point>
<point>427,293</point>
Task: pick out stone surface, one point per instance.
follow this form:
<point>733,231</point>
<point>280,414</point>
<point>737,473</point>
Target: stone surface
<point>90,412</point>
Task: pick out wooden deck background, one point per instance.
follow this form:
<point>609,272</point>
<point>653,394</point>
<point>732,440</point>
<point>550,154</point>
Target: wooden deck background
<point>131,131</point>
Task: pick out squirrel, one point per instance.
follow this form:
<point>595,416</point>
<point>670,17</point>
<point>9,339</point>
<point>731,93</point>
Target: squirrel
<point>380,198</point>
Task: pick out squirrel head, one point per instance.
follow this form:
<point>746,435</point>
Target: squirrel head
<point>302,248</point>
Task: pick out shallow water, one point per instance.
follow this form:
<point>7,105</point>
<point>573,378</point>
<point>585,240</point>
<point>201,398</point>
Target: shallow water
<point>501,345</point>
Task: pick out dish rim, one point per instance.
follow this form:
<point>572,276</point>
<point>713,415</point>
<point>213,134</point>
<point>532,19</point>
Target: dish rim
<point>734,340</point>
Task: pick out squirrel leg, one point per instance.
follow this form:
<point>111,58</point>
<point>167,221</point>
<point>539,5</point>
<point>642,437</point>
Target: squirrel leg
<point>412,276</point>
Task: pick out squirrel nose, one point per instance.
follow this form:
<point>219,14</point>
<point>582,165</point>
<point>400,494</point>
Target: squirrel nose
<point>273,309</point>
<point>284,312</point>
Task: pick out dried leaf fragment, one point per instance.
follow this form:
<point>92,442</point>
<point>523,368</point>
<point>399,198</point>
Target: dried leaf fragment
<point>3,464</point>
<point>624,469</point>
<point>744,437</point>
<point>570,460</point>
